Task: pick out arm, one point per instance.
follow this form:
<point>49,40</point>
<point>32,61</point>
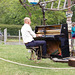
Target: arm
<point>72,31</point>
<point>31,32</point>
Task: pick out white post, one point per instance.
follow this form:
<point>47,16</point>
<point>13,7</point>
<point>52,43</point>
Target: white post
<point>59,4</point>
<point>19,37</point>
<point>65,4</point>
<point>52,5</point>
<point>69,22</point>
<point>5,35</point>
<point>0,36</point>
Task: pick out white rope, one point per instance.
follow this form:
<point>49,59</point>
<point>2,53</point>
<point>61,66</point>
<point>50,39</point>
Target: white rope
<point>36,66</point>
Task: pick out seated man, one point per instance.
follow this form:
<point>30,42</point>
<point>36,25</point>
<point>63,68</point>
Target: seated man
<point>28,34</point>
<point>73,29</point>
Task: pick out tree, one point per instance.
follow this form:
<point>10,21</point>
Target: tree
<point>73,17</point>
<point>12,12</point>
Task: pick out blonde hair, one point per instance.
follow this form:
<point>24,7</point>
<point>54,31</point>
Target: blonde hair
<point>26,18</point>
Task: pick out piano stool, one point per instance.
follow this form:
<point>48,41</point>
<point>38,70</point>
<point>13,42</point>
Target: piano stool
<point>34,52</point>
<point>73,44</point>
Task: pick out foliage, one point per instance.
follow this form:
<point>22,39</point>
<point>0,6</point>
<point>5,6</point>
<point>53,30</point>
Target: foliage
<point>12,12</point>
<point>11,29</point>
<point>73,17</point>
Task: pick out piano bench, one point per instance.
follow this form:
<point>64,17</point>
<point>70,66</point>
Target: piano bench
<point>34,50</point>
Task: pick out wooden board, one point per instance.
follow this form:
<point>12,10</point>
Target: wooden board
<point>53,46</point>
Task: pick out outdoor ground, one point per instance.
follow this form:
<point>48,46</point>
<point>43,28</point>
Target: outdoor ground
<point>18,53</point>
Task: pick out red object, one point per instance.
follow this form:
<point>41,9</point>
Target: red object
<point>59,54</point>
<point>73,37</point>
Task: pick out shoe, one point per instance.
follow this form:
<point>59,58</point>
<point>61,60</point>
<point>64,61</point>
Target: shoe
<point>55,56</point>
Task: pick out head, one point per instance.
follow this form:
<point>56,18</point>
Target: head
<point>27,20</point>
<point>73,24</point>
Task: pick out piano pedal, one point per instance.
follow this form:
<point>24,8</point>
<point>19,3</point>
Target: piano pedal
<point>57,56</point>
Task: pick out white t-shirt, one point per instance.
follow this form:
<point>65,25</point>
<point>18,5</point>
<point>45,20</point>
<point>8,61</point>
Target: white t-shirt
<point>27,33</point>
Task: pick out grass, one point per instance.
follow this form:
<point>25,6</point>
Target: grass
<point>14,40</point>
<point>18,53</point>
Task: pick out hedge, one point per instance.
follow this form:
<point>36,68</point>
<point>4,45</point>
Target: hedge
<point>11,29</point>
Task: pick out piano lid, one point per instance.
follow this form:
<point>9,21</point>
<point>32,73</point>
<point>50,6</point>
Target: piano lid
<point>48,29</point>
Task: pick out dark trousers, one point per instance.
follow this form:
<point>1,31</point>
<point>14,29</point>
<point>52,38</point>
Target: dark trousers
<point>73,35</point>
<point>38,43</point>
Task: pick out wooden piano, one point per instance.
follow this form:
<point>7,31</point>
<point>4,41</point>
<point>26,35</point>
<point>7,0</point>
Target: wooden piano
<point>56,37</point>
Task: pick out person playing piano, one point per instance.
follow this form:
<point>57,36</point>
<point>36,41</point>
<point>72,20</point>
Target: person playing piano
<point>28,36</point>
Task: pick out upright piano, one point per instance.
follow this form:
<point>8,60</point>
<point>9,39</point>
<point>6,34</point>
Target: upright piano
<point>56,37</point>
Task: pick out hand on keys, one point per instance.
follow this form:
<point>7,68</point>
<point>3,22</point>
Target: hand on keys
<point>38,35</point>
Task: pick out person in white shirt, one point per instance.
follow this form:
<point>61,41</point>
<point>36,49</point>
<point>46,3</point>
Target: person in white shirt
<point>28,35</point>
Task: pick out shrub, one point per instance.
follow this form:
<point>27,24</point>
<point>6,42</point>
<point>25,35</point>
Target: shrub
<point>11,29</point>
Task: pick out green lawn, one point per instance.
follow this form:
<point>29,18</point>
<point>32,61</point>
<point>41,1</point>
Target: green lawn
<point>14,40</point>
<point>18,53</point>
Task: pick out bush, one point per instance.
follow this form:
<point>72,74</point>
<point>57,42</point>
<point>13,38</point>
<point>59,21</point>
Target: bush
<point>11,29</point>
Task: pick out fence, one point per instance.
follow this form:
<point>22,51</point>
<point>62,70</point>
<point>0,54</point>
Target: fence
<point>12,40</point>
